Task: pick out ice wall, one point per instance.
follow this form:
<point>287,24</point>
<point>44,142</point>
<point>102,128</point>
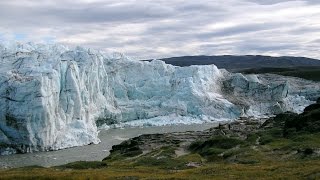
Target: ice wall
<point>52,97</point>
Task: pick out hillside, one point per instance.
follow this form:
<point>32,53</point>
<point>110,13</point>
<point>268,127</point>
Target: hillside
<point>243,62</point>
<point>310,73</point>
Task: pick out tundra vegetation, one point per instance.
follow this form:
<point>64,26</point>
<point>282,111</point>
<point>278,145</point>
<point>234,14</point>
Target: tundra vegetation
<point>286,146</point>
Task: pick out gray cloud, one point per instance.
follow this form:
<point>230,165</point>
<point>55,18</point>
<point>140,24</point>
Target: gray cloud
<point>270,2</point>
<point>242,28</point>
<point>160,28</point>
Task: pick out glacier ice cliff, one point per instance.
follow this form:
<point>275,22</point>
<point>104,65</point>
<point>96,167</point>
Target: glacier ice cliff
<point>52,97</point>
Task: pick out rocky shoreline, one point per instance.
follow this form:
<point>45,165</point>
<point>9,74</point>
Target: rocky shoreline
<point>287,136</point>
<point>147,143</point>
<point>285,146</point>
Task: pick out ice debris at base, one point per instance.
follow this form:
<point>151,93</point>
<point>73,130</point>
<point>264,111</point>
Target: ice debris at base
<point>53,98</point>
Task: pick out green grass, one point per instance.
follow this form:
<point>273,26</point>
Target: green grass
<point>270,135</point>
<point>297,169</point>
<point>84,165</point>
<point>163,163</point>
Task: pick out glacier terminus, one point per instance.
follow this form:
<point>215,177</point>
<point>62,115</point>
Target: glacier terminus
<point>53,97</point>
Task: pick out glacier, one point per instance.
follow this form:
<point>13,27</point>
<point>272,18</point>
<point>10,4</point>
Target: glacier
<point>53,97</point>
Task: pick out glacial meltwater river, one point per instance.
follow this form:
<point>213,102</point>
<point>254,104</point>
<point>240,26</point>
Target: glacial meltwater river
<point>95,152</point>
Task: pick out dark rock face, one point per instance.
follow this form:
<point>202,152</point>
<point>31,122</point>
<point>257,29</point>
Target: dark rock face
<point>128,148</point>
<point>312,107</point>
<point>308,121</point>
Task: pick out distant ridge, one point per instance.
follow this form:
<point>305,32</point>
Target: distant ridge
<point>231,62</point>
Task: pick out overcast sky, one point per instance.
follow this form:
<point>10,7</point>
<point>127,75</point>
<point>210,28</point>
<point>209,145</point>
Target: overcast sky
<point>162,28</point>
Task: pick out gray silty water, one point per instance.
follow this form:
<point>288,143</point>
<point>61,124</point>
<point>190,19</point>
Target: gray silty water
<point>95,152</point>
